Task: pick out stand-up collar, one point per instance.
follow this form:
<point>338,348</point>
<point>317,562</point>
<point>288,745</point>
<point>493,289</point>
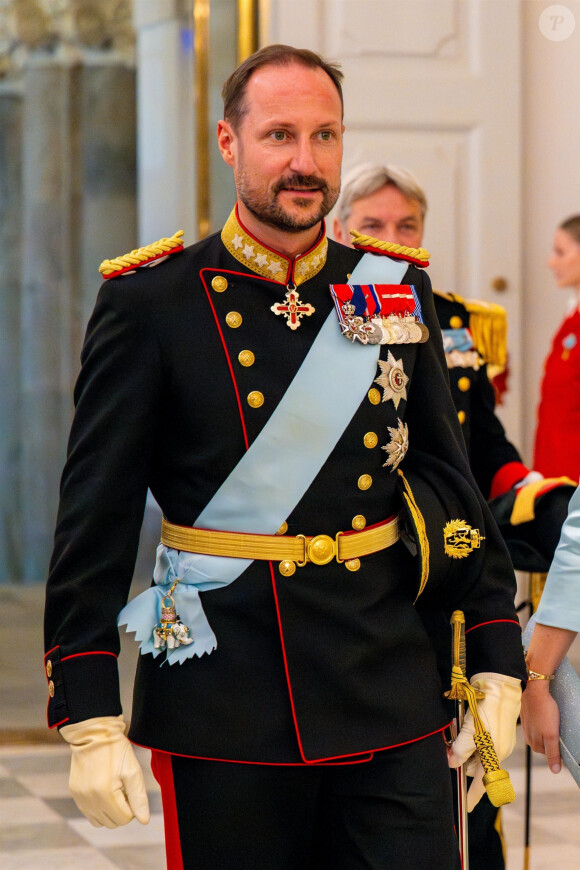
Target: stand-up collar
<point>269,263</point>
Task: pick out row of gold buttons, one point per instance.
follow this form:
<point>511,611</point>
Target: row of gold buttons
<point>246,358</point>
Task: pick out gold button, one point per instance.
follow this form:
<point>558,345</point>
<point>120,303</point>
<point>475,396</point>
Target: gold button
<point>234,319</point>
<point>246,358</point>
<point>352,564</point>
<point>464,384</point>
<point>219,284</point>
<point>374,396</point>
<point>255,399</point>
<point>365,481</point>
<point>51,689</point>
<point>287,568</point>
<point>461,416</point>
<point>359,522</point>
<point>455,322</point>
<point>283,529</point>
<point>49,669</point>
<point>371,439</point>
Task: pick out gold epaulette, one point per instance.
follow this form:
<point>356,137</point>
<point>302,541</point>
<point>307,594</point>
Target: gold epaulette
<point>488,325</point>
<point>451,297</point>
<point>142,256</point>
<point>418,256</point>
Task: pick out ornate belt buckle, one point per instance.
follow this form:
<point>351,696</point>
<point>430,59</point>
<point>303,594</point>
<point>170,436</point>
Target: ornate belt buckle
<point>321,550</point>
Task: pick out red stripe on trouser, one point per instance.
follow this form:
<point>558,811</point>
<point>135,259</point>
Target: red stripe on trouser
<point>163,772</point>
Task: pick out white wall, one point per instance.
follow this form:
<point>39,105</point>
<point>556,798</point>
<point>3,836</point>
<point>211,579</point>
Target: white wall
<point>550,183</point>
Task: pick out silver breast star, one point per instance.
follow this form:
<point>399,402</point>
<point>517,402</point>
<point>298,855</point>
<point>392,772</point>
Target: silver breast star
<point>392,379</point>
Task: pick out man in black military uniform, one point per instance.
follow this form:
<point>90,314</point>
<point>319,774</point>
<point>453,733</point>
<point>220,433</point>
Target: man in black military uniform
<point>302,443</point>
<point>387,202</point>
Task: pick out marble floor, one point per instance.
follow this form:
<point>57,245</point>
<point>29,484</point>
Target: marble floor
<point>41,829</point>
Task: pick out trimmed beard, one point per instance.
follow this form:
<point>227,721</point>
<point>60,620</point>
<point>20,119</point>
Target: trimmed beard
<point>271,213</point>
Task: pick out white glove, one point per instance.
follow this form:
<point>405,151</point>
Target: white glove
<point>499,711</point>
<point>106,780</point>
<point>531,477</point>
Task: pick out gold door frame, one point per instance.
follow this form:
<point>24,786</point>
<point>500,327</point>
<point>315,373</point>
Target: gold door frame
<point>247,41</point>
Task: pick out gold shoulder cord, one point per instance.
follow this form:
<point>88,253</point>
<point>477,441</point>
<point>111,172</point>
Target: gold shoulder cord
<point>142,255</point>
<point>389,247</point>
<point>423,541</point>
<point>497,782</point>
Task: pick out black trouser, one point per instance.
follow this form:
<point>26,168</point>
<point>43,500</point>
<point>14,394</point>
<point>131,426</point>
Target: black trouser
<point>484,838</point>
<point>392,813</point>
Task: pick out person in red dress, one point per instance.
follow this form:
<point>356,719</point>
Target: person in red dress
<point>557,443</point>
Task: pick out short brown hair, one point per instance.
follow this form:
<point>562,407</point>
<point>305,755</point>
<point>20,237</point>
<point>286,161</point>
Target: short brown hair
<point>234,89</point>
<point>572,226</point>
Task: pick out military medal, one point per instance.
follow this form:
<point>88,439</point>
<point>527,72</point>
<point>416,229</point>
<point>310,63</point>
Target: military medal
<point>392,379</point>
<point>459,349</point>
<point>397,446</point>
<point>568,343</point>
<point>379,313</point>
<point>170,632</point>
<point>293,309</point>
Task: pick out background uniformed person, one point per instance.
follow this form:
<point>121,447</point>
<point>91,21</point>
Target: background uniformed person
<point>388,202</point>
<point>287,687</point>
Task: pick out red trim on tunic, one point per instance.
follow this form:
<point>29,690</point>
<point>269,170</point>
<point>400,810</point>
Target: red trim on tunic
<point>355,760</point>
<point>493,622</point>
<point>222,337</point>
<point>295,718</point>
<point>96,652</point>
<point>163,772</point>
<point>506,477</point>
<point>291,263</point>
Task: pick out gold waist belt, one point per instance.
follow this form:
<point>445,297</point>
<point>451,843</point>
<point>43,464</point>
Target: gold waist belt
<point>319,549</point>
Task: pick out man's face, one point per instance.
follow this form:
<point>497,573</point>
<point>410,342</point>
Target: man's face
<point>287,150</point>
<point>386,215</point>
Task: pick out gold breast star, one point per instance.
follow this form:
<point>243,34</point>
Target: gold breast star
<point>397,446</point>
<point>392,379</point>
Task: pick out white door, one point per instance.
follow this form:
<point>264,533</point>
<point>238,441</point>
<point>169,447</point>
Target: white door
<point>434,85</point>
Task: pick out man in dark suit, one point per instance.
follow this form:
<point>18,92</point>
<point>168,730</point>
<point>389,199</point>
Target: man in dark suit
<point>387,202</point>
<point>300,439</point>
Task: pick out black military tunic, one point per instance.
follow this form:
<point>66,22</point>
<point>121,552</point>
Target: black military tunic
<point>182,366</point>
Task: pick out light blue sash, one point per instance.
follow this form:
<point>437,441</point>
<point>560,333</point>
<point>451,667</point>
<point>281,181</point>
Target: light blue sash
<point>272,476</point>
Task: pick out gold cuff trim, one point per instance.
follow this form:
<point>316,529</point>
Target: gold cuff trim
<point>318,549</point>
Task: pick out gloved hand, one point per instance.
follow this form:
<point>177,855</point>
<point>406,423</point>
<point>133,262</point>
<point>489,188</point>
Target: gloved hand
<point>531,477</point>
<point>499,711</point>
<point>106,780</point>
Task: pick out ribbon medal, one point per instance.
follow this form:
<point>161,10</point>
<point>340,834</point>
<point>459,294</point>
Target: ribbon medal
<point>569,342</point>
<point>379,313</point>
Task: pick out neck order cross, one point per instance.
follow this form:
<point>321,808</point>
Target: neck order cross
<point>293,309</point>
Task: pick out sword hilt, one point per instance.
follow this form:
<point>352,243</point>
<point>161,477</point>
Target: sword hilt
<point>496,781</point>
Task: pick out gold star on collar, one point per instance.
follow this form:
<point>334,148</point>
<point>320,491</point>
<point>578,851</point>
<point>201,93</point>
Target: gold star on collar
<point>267,262</point>
<point>392,379</point>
